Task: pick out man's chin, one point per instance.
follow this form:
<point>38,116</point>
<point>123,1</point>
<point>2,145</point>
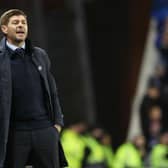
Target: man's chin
<point>19,40</point>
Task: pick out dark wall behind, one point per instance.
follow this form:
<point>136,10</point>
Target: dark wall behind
<point>116,33</point>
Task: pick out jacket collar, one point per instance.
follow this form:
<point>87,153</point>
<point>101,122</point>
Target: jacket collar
<point>3,44</point>
<point>29,48</point>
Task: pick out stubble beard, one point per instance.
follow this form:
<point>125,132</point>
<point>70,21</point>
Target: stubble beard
<point>19,40</point>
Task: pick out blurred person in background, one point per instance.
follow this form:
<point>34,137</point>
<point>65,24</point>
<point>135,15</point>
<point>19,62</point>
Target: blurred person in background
<point>106,141</point>
<point>155,120</point>
<point>162,46</point>
<point>150,99</point>
<point>30,113</point>
<point>159,153</point>
<point>96,157</point>
<point>131,154</point>
<point>162,36</point>
<point>153,126</point>
<point>74,145</point>
<point>159,75</point>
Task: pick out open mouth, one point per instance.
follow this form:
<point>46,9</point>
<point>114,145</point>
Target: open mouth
<point>20,32</point>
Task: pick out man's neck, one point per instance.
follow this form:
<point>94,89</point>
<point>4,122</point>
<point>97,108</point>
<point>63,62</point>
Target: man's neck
<point>13,46</point>
<point>15,43</point>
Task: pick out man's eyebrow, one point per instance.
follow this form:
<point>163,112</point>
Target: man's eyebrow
<point>19,20</point>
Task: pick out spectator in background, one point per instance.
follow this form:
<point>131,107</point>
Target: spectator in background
<point>154,127</point>
<point>163,49</point>
<point>131,154</point>
<point>159,153</point>
<point>74,145</point>
<point>158,5</point>
<point>96,157</point>
<point>158,77</point>
<point>161,17</point>
<point>160,14</point>
<point>106,141</point>
<point>150,99</point>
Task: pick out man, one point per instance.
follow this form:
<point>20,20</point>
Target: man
<point>130,154</point>
<point>159,153</point>
<point>30,114</point>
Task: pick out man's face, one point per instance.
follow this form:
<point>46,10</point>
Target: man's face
<point>16,30</point>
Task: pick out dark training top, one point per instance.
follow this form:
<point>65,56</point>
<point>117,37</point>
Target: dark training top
<point>29,109</point>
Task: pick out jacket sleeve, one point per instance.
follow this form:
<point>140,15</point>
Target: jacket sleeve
<point>58,116</point>
<point>56,107</point>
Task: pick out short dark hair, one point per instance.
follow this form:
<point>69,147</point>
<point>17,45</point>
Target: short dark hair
<point>4,19</point>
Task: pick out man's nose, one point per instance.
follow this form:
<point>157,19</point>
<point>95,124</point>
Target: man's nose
<point>20,24</point>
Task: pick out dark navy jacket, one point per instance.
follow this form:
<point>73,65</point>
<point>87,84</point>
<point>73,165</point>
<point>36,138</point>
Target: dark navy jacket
<point>40,59</point>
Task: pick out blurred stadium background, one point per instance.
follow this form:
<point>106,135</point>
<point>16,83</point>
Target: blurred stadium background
<point>96,48</point>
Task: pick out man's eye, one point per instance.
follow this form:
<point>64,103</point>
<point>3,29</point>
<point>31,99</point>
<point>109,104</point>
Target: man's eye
<point>14,22</point>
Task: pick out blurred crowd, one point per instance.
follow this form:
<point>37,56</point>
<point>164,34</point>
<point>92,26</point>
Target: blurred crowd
<point>154,106</point>
<point>91,147</point>
<point>87,147</point>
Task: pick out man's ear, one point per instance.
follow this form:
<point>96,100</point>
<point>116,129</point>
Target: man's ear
<point>4,29</point>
